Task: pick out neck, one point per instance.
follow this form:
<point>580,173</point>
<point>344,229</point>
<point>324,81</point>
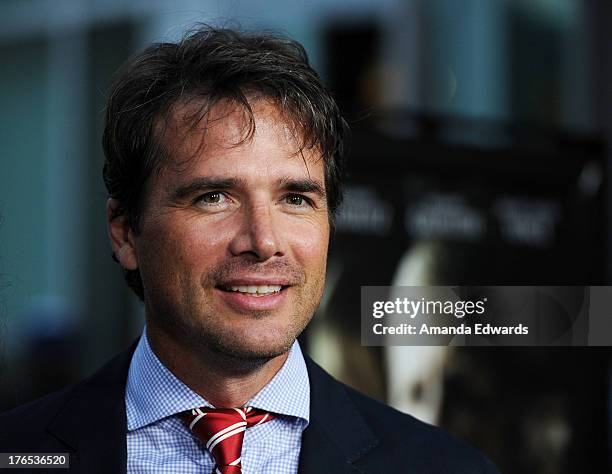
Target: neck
<point>222,380</point>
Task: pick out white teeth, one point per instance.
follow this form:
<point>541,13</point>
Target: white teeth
<point>253,289</point>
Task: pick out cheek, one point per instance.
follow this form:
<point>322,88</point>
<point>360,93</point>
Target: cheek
<point>171,250</point>
<point>310,245</point>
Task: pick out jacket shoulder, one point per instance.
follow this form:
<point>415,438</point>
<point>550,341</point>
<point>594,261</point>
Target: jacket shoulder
<point>431,448</point>
<point>384,436</point>
<point>28,426</point>
<point>25,428</point>
<point>37,413</point>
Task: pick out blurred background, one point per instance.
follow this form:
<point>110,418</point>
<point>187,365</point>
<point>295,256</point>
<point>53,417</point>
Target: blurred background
<point>481,132</point>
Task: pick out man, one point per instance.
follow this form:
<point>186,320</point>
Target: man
<point>223,163</point>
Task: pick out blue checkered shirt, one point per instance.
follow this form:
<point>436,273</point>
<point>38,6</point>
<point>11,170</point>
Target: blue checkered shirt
<point>158,441</point>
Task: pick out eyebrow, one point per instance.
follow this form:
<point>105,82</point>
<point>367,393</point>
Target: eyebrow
<point>200,184</point>
<point>307,185</point>
<point>186,190</point>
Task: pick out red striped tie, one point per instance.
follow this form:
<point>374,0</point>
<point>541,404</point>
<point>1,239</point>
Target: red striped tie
<point>221,430</point>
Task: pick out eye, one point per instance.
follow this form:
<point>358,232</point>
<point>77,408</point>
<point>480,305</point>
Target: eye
<point>212,197</point>
<point>296,200</point>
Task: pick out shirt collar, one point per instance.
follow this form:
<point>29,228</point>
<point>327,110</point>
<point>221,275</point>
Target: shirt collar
<point>153,392</point>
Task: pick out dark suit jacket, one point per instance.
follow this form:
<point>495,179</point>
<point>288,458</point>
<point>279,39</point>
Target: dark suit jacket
<point>348,432</point>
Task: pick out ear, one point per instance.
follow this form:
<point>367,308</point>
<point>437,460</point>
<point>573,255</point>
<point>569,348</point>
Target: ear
<point>121,236</point>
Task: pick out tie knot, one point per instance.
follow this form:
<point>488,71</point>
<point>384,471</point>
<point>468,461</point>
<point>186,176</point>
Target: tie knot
<point>221,430</point>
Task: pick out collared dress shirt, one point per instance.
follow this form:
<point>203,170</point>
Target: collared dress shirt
<point>158,441</point>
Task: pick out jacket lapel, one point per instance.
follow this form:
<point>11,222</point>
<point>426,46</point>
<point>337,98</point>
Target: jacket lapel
<point>337,435</point>
<point>93,423</point>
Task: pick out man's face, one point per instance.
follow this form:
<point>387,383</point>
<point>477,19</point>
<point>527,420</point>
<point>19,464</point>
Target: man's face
<point>233,240</point>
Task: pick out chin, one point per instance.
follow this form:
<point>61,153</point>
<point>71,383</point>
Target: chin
<point>251,352</point>
<point>257,341</point>
<point>251,347</point>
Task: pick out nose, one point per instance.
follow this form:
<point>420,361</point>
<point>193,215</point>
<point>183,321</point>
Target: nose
<point>259,235</point>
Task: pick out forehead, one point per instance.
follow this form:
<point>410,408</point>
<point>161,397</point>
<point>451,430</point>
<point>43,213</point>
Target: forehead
<point>227,141</point>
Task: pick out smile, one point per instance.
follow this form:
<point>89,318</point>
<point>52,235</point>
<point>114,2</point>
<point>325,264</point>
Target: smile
<point>255,290</point>
<point>247,298</point>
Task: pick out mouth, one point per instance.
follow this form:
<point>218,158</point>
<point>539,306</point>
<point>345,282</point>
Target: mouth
<point>245,295</point>
<point>253,290</point>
